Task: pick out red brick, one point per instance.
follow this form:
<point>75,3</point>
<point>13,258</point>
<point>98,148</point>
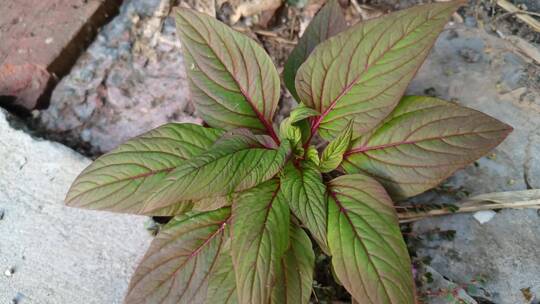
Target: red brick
<point>45,36</point>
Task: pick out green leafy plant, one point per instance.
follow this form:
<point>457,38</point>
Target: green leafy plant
<point>247,198</point>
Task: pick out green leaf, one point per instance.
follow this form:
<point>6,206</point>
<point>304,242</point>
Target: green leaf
<point>291,132</point>
<point>422,142</point>
<point>312,155</point>
<point>260,231</point>
<point>301,112</point>
<point>176,267</point>
<point>369,255</point>
<point>328,22</point>
<point>295,129</point>
<point>233,81</point>
<point>212,203</point>
<point>119,180</point>
<point>333,153</point>
<point>304,190</point>
<point>295,274</point>
<point>362,72</point>
<point>298,117</point>
<point>222,285</point>
<point>235,163</point>
<point>180,207</point>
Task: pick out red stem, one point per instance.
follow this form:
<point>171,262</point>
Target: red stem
<point>273,134</point>
<point>366,148</point>
<point>315,126</point>
<point>267,125</point>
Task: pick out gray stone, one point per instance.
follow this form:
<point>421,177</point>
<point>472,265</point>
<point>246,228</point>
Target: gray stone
<point>501,83</point>
<point>55,254</point>
<point>130,80</point>
<point>504,252</point>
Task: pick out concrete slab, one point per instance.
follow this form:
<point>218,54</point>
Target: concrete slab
<point>50,253</point>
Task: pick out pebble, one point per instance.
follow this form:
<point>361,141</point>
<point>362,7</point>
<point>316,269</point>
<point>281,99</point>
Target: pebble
<point>469,55</point>
<point>484,216</point>
<point>9,272</point>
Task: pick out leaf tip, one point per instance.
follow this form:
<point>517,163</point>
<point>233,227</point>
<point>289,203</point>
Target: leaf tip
<point>509,128</point>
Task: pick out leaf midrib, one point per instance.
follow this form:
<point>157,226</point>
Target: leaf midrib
<point>367,148</point>
<point>258,114</point>
<point>221,157</point>
<point>218,251</point>
<point>347,88</point>
<point>380,217</point>
<point>336,117</point>
<point>344,211</point>
<point>303,185</point>
<point>263,228</point>
<point>129,178</point>
<point>221,228</point>
<point>259,238</point>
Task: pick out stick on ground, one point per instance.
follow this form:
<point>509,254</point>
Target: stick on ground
<point>490,201</point>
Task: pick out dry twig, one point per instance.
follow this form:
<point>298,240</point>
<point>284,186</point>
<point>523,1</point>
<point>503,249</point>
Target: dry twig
<point>497,200</point>
<point>525,48</point>
<point>522,15</point>
<point>269,34</point>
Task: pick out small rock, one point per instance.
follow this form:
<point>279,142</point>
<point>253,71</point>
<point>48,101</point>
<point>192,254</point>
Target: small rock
<point>492,156</point>
<point>9,272</point>
<point>2,212</point>
<point>469,55</point>
<point>484,216</point>
<point>430,92</point>
<point>152,226</point>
